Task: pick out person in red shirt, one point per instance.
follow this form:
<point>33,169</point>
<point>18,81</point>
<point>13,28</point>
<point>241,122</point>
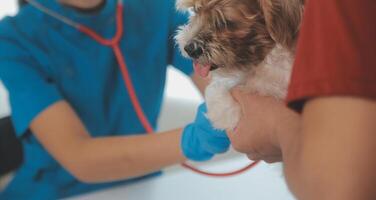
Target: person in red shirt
<point>327,136</point>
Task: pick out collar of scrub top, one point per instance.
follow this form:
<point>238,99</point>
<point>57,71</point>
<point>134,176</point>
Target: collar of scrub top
<point>105,15</point>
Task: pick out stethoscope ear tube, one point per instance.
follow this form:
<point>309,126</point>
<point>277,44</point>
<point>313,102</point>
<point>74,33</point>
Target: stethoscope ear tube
<point>114,43</point>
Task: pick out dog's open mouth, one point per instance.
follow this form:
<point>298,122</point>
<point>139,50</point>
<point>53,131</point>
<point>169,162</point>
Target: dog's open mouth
<point>204,69</point>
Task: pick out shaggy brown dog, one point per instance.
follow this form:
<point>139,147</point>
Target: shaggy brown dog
<point>250,42</point>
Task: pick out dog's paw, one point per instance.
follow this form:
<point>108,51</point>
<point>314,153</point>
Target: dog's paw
<point>224,117</point>
<point>223,111</point>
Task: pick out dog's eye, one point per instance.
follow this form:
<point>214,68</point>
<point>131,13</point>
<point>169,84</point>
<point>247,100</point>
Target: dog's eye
<point>220,25</point>
<point>230,25</point>
<point>196,9</point>
<point>192,11</point>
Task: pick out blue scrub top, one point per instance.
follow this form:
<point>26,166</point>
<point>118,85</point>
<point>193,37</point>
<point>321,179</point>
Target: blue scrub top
<point>43,61</point>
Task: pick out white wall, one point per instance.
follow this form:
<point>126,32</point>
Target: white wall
<point>7,7</point>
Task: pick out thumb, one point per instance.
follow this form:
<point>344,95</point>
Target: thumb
<point>237,94</point>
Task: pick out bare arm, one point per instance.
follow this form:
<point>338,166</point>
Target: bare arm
<point>328,151</point>
<point>93,160</point>
<point>331,156</point>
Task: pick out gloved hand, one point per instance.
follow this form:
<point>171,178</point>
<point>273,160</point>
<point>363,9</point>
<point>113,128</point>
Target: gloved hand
<point>200,141</point>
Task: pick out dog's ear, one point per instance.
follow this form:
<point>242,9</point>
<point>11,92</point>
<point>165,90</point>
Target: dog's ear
<point>283,18</point>
<point>184,5</point>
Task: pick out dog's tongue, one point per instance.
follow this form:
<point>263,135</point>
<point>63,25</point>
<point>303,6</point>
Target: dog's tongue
<point>202,70</point>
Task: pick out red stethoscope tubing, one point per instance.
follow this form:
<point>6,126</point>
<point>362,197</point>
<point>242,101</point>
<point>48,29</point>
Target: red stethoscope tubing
<point>114,44</point>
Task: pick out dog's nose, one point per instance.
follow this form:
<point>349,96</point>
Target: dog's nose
<point>194,51</point>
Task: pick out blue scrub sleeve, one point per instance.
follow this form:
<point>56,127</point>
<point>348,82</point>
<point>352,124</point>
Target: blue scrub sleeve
<point>30,90</point>
<point>176,59</point>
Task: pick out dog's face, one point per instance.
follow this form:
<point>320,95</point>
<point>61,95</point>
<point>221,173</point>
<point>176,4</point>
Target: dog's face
<point>237,34</point>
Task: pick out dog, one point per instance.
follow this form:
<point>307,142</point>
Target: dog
<point>244,43</point>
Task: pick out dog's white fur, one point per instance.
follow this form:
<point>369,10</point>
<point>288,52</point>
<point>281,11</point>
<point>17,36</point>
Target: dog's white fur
<point>270,78</point>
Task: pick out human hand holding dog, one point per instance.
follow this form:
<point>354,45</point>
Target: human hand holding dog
<point>265,123</point>
<point>200,141</point>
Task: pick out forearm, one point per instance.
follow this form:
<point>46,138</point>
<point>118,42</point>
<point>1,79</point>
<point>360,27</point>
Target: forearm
<point>96,160</point>
<point>317,171</point>
<point>328,156</point>
<point>117,158</point>
<point>64,136</point>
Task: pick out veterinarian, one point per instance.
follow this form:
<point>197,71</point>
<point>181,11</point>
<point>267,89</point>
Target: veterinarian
<point>328,144</point>
<point>69,104</point>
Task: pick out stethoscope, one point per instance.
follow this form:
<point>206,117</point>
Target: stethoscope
<point>114,44</point>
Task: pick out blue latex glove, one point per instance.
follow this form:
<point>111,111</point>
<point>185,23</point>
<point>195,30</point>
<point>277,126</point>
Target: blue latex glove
<point>200,141</point>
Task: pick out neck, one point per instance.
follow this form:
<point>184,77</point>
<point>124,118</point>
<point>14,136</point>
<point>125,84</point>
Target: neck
<point>83,4</point>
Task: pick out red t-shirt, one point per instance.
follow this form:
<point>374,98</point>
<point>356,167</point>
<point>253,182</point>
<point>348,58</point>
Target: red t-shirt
<point>336,52</point>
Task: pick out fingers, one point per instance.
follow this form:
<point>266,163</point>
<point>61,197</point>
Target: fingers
<point>254,157</point>
<point>273,159</point>
<point>241,142</point>
<point>268,159</point>
<point>240,97</point>
<point>237,94</point>
<point>230,133</point>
